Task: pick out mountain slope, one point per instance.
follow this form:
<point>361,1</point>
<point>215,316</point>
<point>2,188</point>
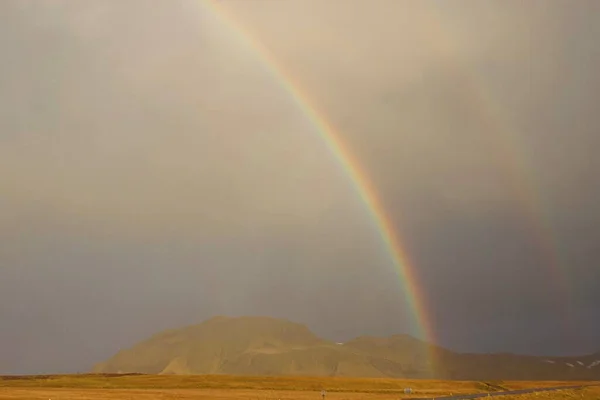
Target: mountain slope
<point>269,346</point>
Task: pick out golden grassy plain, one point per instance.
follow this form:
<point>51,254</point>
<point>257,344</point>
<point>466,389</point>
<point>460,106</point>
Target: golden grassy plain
<point>590,393</point>
<point>220,387</point>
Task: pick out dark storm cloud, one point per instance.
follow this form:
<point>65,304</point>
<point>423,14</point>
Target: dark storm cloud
<point>153,174</point>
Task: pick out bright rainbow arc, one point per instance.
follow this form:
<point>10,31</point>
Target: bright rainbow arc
<point>360,181</point>
<point>516,164</point>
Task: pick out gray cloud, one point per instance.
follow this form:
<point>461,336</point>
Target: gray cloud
<point>153,173</point>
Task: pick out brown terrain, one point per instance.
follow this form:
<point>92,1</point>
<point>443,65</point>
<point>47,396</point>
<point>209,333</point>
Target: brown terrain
<point>275,347</point>
<point>121,387</point>
<point>266,358</point>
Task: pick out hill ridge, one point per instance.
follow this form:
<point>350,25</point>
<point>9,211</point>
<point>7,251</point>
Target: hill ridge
<point>259,345</point>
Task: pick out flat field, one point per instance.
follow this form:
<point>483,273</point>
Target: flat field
<point>220,387</point>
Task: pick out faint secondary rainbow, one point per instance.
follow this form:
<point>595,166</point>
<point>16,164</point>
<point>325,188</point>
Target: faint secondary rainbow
<point>368,194</point>
<point>515,161</point>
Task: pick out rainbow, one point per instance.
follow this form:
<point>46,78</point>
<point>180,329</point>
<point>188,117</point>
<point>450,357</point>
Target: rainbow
<point>402,265</point>
<point>502,130</point>
<point>520,171</point>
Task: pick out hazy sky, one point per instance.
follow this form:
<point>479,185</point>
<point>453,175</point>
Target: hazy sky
<point>154,173</point>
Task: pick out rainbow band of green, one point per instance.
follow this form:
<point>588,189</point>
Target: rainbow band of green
<point>512,152</point>
<point>368,194</point>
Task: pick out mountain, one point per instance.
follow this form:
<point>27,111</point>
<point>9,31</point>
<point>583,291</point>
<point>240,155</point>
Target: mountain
<point>269,346</point>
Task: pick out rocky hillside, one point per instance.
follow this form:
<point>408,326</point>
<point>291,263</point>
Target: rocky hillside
<point>268,346</point>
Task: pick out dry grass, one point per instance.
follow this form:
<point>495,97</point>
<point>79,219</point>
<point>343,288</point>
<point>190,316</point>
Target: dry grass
<point>591,393</point>
<point>102,387</point>
<point>181,394</point>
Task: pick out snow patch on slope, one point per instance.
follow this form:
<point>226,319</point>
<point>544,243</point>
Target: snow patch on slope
<point>594,364</point>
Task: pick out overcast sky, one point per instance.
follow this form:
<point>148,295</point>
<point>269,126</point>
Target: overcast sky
<point>154,173</point>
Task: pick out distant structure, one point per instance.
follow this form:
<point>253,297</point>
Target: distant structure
<point>408,391</point>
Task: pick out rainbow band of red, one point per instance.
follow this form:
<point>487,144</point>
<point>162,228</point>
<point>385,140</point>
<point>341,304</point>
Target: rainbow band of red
<point>360,181</point>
